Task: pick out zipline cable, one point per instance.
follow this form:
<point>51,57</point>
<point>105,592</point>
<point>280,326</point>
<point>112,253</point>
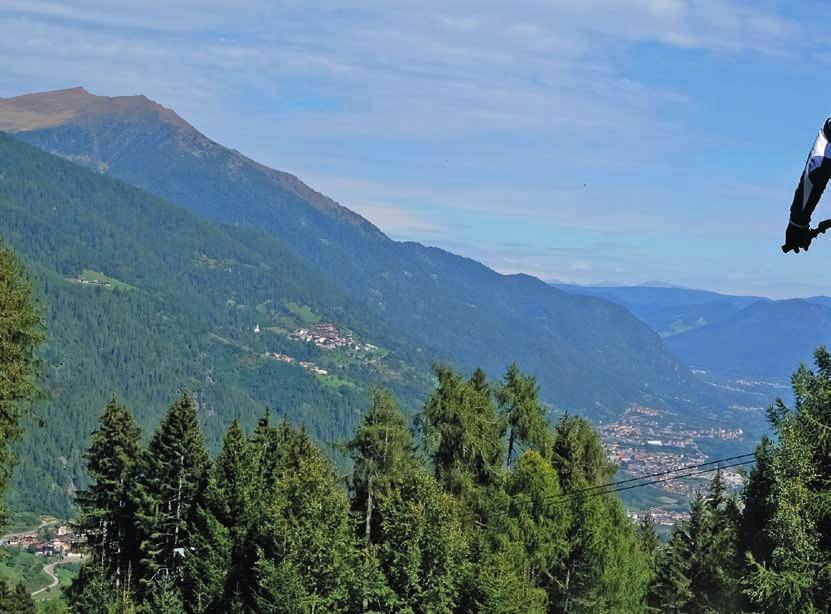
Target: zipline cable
<point>578,495</point>
<point>595,491</point>
<point>660,473</point>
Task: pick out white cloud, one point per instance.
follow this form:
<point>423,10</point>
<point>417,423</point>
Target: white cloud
<point>521,100</point>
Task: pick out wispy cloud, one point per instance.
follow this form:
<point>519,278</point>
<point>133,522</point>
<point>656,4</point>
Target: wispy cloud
<point>446,121</point>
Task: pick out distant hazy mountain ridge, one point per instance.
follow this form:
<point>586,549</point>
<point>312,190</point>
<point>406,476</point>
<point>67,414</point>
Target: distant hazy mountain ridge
<point>728,335</point>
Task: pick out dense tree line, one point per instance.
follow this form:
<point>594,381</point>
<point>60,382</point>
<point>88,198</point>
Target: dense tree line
<point>442,517</point>
<point>437,517</point>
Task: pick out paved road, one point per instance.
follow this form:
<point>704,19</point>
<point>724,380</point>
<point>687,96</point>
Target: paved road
<point>49,570</point>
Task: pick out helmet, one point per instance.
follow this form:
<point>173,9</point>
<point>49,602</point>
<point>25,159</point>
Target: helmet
<point>826,129</point>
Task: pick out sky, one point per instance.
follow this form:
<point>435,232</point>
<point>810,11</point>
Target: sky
<point>600,141</point>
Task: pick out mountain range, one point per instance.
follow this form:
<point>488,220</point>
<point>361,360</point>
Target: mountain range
<point>167,260</point>
<point>587,353</point>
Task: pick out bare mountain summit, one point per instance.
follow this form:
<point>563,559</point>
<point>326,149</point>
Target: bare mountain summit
<point>105,132</point>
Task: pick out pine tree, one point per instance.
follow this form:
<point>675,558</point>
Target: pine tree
<point>605,568</point>
<point>505,586</point>
<point>541,522</point>
<point>107,514</point>
<point>20,336</point>
<point>669,590</point>
<point>754,529</point>
<point>578,455</point>
<point>163,597</point>
<point>524,415</point>
<point>719,586</point>
<point>422,545</point>
<point>789,500</point>
<point>92,591</point>
<point>172,473</point>
<point>383,455</point>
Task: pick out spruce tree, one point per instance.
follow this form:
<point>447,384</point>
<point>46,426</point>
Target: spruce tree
<point>163,597</point>
<point>647,535</point>
<point>92,591</point>
<point>540,522</point>
<point>788,499</point>
<point>107,515</point>
<point>578,455</point>
<point>605,568</point>
<point>669,589</point>
<point>505,585</point>
<point>422,546</point>
<point>172,472</point>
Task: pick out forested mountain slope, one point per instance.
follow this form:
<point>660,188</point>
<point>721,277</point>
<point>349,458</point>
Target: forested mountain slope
<point>142,298</point>
<point>589,355</point>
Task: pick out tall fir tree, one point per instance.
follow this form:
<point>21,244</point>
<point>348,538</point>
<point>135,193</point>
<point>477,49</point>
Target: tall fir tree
<point>383,455</point>
<point>107,514</point>
<point>647,534</point>
<point>669,588</point>
<point>172,472</point>
<point>578,455</point>
<point>422,546</point>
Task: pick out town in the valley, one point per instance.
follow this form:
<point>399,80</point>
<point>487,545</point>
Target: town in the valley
<point>646,441</point>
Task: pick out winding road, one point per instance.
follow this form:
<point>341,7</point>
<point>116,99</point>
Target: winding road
<point>49,570</point>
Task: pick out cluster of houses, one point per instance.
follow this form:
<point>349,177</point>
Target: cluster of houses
<point>63,542</point>
<point>326,335</point>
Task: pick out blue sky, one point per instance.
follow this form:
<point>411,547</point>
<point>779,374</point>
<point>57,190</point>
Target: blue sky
<point>602,140</point>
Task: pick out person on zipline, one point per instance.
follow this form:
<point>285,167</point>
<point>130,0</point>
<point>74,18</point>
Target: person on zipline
<point>799,233</point>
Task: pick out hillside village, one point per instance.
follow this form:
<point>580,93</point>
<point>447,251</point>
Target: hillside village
<point>48,540</point>
<point>325,336</point>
